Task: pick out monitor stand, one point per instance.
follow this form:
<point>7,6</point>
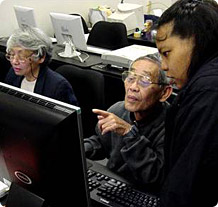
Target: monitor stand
<point>20,197</point>
<point>69,51</point>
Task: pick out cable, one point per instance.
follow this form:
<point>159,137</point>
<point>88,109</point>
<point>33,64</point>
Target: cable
<point>83,59</point>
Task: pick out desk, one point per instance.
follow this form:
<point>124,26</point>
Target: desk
<point>140,41</point>
<point>92,60</point>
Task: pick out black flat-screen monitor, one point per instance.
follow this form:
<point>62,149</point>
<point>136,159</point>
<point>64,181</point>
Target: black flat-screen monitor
<point>41,147</point>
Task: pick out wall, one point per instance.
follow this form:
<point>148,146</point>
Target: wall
<point>43,7</point>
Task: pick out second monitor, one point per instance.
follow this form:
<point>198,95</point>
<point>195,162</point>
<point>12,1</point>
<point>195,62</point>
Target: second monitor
<point>69,31</point>
<point>25,16</point>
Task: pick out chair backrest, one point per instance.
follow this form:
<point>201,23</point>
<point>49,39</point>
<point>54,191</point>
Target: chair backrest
<point>108,35</point>
<point>88,86</point>
<point>5,65</point>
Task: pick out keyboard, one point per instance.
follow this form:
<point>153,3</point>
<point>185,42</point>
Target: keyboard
<point>112,192</point>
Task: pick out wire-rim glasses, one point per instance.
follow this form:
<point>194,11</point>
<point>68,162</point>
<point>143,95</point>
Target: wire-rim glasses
<point>142,80</point>
<point>20,58</point>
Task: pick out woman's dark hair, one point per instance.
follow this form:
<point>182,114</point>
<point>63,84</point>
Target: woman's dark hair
<point>198,19</point>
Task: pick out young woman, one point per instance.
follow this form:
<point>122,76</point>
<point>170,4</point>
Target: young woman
<point>187,39</point>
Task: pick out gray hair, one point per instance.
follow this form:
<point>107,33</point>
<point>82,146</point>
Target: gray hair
<point>155,58</point>
<point>31,38</point>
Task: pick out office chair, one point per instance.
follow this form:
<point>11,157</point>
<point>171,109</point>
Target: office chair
<point>5,65</point>
<point>108,35</point>
<point>88,86</point>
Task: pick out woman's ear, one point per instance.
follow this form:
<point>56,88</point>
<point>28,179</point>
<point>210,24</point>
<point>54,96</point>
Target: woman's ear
<point>166,92</point>
<point>41,59</point>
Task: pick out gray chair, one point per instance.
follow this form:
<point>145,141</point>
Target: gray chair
<point>88,86</point>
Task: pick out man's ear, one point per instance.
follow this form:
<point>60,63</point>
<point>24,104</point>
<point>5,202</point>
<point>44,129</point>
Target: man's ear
<point>166,92</point>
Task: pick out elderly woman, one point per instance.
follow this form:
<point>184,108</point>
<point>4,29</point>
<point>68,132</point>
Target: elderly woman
<point>29,51</point>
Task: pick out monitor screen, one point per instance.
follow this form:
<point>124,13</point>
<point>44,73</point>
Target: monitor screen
<point>41,147</point>
<point>68,28</point>
<point>25,16</point>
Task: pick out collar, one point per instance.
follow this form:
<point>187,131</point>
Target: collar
<point>155,113</point>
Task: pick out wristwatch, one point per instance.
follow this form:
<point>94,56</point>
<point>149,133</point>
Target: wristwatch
<point>133,130</point>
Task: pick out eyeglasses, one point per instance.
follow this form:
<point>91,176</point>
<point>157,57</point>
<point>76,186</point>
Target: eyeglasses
<point>20,58</point>
<point>142,80</point>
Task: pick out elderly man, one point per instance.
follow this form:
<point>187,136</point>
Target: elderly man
<point>131,133</point>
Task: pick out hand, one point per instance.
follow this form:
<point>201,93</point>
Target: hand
<point>108,122</point>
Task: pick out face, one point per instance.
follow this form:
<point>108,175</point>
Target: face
<point>23,63</point>
<point>139,99</point>
<point>176,54</point>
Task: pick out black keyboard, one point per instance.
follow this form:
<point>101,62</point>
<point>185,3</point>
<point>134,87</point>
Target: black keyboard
<point>112,192</point>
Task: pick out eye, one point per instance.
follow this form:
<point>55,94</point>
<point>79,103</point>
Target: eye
<point>165,53</point>
<point>130,77</point>
<point>144,83</point>
<point>11,54</point>
<point>21,57</point>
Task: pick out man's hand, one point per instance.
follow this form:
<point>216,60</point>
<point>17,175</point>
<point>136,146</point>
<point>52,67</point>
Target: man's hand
<point>108,122</point>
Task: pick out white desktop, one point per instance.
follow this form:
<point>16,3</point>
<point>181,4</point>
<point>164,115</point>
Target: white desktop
<point>132,15</point>
<point>69,31</point>
<point>25,16</point>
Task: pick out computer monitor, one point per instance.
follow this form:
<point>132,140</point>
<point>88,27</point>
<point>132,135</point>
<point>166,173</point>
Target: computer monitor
<point>132,15</point>
<point>68,30</point>
<point>41,147</point>
<point>25,16</point>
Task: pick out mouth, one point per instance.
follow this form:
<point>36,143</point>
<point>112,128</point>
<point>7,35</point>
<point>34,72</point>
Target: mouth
<point>16,70</point>
<point>132,98</point>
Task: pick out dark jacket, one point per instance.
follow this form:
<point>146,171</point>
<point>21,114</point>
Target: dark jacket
<point>49,83</point>
<point>191,143</point>
<point>138,155</point>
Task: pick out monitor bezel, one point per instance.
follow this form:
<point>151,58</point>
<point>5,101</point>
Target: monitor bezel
<point>66,109</point>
